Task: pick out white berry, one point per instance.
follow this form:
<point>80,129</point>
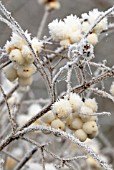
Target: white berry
<point>91,103</point>
<point>76,102</point>
<point>10,72</point>
<point>27,55</point>
<point>16,57</point>
<point>92,38</point>
<point>26,71</point>
<point>58,124</point>
<point>90,127</point>
<point>81,135</point>
<point>85,113</point>
<point>76,123</point>
<point>48,117</point>
<point>61,108</point>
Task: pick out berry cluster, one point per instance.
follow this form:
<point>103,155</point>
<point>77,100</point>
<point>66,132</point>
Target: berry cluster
<point>73,114</point>
<point>71,29</point>
<point>22,59</point>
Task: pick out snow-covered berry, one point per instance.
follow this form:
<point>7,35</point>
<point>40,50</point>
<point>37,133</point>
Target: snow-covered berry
<point>102,25</point>
<point>58,30</point>
<point>85,113</point>
<point>85,26</point>
<point>75,37</point>
<point>76,123</point>
<point>26,71</point>
<point>37,45</point>
<point>62,108</point>
<point>10,72</point>
<point>69,120</point>
<point>93,135</point>
<point>81,135</point>
<point>48,117</point>
<point>76,102</point>
<point>65,43</point>
<point>90,127</point>
<point>27,55</point>
<point>58,124</point>
<point>91,103</point>
<point>16,57</point>
<point>92,38</point>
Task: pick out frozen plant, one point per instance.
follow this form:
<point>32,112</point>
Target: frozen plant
<point>53,132</point>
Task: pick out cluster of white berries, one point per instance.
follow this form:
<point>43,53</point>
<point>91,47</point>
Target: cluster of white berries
<point>21,58</point>
<point>73,114</point>
<point>50,4</point>
<point>71,29</point>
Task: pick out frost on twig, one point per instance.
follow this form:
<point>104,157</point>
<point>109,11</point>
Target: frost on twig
<point>102,93</point>
<point>69,113</point>
<point>71,138</point>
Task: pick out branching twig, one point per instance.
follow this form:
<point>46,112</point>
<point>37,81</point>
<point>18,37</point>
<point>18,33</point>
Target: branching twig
<point>102,93</point>
<point>25,158</point>
<point>69,137</point>
<point>11,117</point>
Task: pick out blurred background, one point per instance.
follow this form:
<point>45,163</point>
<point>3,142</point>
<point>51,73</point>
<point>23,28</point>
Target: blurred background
<point>29,14</point>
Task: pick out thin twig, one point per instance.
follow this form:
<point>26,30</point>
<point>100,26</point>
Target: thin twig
<point>69,137</point>
<point>42,24</point>
<point>102,93</point>
<point>26,158</point>
<point>9,94</point>
<point>43,159</point>
<point>11,117</point>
